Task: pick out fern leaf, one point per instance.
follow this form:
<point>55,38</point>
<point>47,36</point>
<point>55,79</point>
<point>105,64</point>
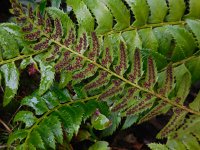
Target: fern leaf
<point>115,120</point>
<point>47,77</point>
<point>155,146</point>
<point>175,121</point>
<point>119,12</point>
<point>148,39</point>
<point>56,3</point>
<point>25,116</point>
<point>11,76</point>
<point>36,103</point>
<point>115,88</point>
<point>55,126</point>
<point>190,142</point>
<point>102,14</point>
<point>194,11</point>
<point>194,26</point>
<point>116,60</point>
<point>67,23</point>
<point>130,120</point>
<point>195,105</point>
<point>35,140</point>
<point>86,21</point>
<point>52,117</point>
<point>183,38</point>
<point>141,15</point>
<point>17,135</point>
<point>6,37</point>
<point>158,10</point>
<point>176,10</point>
<point>175,144</point>
<point>47,136</point>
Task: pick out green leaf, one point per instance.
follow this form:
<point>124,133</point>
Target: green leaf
<point>193,67</point>
<point>190,142</point>
<point>100,122</point>
<point>194,11</point>
<point>53,123</point>
<point>148,39</point>
<point>164,39</point>
<point>176,10</point>
<point>65,78</point>
<point>18,134</point>
<point>47,77</point>
<point>80,92</point>
<point>155,146</point>
<point>132,41</point>
<point>51,99</point>
<point>67,23</point>
<point>175,144</point>
<point>141,15</point>
<point>185,43</point>
<point>86,21</point>
<point>36,140</point>
<point>100,145</point>
<point>47,136</point>
<point>26,117</point>
<point>42,6</point>
<point>119,11</point>
<point>77,114</point>
<point>67,121</point>
<point>55,3</point>
<point>36,103</point>
<point>11,76</point>
<point>62,95</point>
<point>158,9</point>
<point>195,105</point>
<point>130,120</point>
<point>194,25</point>
<point>115,119</point>
<point>183,82</point>
<point>102,15</point>
<point>8,50</point>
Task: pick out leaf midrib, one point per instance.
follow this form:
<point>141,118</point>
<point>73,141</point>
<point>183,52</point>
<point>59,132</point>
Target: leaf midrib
<point>52,110</point>
<point>113,73</point>
<point>128,82</point>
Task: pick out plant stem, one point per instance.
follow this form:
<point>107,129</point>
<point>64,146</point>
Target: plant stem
<point>5,125</point>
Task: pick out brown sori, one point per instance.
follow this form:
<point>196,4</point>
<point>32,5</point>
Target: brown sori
<point>136,73</point>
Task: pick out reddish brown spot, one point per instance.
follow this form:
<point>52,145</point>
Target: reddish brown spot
<point>42,45</point>
<point>32,36</point>
<point>39,19</point>
<point>58,29</point>
<point>122,59</point>
<point>30,12</point>
<point>70,39</point>
<point>136,67</point>
<point>48,27</point>
<point>27,28</point>
<point>125,99</point>
<point>94,53</point>
<point>107,60</point>
<point>116,88</point>
<point>151,76</point>
<point>98,82</point>
<point>32,69</point>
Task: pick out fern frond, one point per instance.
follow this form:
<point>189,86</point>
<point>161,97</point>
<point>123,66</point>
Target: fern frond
<point>116,60</point>
<point>52,119</point>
